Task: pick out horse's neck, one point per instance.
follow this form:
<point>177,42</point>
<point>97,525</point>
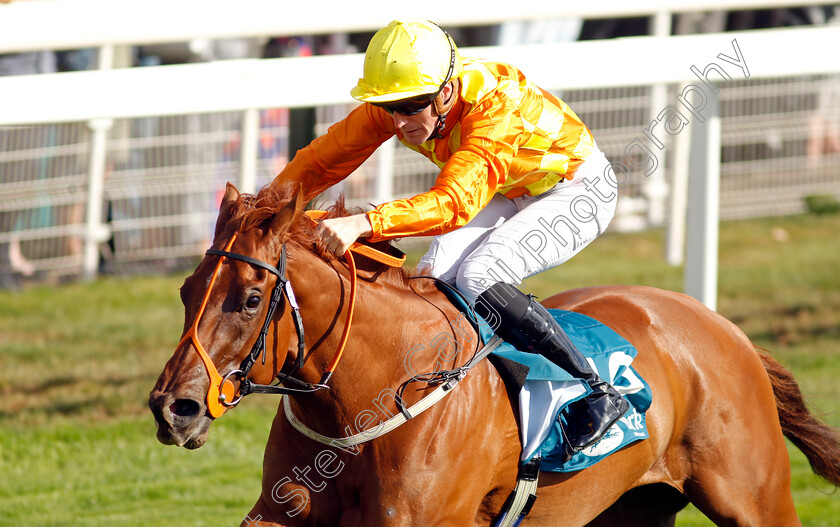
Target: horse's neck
<point>394,336</point>
<point>378,329</point>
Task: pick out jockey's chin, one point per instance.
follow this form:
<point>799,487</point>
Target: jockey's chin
<point>416,129</point>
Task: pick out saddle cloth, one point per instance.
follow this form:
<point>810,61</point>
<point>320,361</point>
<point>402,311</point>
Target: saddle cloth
<point>547,390</point>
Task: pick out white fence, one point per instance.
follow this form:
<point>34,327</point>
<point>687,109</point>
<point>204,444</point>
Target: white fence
<point>66,24</point>
<point>127,164</point>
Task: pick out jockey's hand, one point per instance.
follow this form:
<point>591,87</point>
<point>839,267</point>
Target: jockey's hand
<point>338,234</point>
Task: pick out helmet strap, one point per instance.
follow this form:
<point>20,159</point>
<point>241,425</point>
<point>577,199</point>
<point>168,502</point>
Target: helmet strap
<point>441,124</point>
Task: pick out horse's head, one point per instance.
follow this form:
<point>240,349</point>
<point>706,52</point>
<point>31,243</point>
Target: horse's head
<point>226,302</point>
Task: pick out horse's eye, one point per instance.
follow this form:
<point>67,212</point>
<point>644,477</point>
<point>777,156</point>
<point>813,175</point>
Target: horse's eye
<point>252,302</point>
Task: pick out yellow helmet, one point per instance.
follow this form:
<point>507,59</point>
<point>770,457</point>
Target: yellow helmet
<point>407,59</point>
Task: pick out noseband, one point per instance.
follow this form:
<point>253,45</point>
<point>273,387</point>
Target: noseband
<point>222,394</point>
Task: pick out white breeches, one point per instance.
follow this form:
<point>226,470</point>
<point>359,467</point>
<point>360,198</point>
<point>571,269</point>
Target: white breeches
<point>512,239</point>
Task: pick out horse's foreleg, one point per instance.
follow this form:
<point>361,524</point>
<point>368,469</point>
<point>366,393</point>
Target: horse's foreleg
<point>262,516</point>
<point>654,505</point>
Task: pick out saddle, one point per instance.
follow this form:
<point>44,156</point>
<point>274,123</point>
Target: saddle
<point>544,391</point>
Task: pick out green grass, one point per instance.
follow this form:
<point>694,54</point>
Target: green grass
<point>115,473</point>
<point>77,444</point>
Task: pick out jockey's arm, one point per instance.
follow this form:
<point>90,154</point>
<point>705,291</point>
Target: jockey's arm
<point>489,137</point>
<point>333,156</point>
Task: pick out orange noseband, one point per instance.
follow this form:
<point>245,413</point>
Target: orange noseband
<point>220,389</point>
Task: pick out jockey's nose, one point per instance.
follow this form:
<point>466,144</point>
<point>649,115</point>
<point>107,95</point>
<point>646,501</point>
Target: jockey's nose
<point>400,120</point>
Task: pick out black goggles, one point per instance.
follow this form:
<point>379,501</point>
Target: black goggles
<point>408,106</point>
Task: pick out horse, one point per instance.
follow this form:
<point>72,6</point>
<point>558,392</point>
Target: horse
<point>721,406</point>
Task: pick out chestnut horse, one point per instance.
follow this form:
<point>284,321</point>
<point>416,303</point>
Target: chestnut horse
<point>720,411</point>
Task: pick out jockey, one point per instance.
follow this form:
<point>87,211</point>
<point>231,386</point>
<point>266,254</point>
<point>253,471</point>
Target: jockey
<point>522,188</point>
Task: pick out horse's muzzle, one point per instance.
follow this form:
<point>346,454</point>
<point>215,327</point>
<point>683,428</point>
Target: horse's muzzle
<point>180,421</point>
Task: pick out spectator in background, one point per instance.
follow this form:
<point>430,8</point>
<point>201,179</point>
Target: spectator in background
<point>27,63</point>
<point>13,261</point>
<point>200,152</point>
<point>824,123</point>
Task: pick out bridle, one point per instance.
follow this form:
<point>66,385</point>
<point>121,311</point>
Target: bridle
<point>221,393</point>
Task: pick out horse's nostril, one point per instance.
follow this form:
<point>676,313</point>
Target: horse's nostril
<point>184,407</point>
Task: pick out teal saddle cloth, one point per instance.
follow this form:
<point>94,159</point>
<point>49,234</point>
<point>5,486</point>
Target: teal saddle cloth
<point>611,355</point>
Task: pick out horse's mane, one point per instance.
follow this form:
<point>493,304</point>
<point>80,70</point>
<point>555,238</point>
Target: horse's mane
<point>255,211</point>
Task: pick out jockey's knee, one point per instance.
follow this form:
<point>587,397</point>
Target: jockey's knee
<point>474,278</point>
<point>471,282</point>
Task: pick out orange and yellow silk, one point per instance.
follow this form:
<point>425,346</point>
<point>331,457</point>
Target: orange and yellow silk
<point>503,135</point>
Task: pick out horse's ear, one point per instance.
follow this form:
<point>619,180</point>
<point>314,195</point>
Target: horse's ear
<point>226,207</point>
<point>283,219</point>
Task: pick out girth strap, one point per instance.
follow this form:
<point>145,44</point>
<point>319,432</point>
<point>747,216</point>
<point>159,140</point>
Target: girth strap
<point>522,498</point>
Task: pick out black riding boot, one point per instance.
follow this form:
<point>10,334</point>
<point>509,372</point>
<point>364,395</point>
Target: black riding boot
<point>525,323</point>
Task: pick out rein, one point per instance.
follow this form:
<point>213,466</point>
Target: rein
<point>221,393</point>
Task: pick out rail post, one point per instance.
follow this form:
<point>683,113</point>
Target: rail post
<point>95,231</point>
<point>701,266</point>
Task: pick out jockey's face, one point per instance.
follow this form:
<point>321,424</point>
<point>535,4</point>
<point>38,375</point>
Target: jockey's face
<point>418,127</point>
